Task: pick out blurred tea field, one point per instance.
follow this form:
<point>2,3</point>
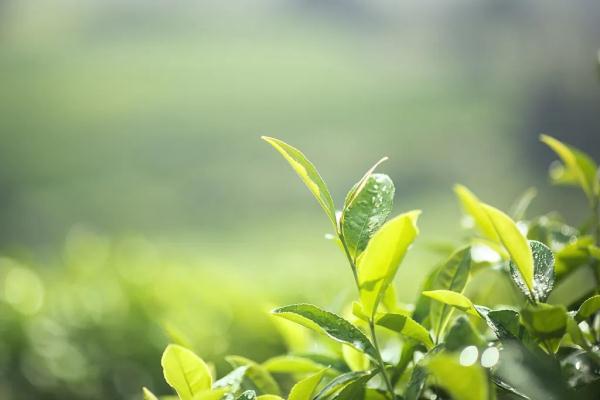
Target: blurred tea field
<point>138,205</point>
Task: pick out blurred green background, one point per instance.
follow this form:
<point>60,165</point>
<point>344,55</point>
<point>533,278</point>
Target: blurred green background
<point>138,204</point>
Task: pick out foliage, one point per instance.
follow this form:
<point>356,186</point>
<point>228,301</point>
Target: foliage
<point>449,345</point>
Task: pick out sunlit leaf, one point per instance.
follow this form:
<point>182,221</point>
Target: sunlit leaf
<point>405,326</point>
<point>233,380</point>
<point>211,394</point>
<point>356,360</point>
<point>367,207</point>
<point>329,323</point>
<point>504,323</point>
<point>380,260</point>
<point>453,299</point>
<point>462,382</point>
<point>514,242</point>
<point>269,397</point>
<point>308,173</point>
<point>589,307</point>
<point>577,166</point>
<point>148,395</point>
<point>472,206</point>
<point>305,389</point>
<point>260,377</point>
<point>543,273</point>
<point>185,372</point>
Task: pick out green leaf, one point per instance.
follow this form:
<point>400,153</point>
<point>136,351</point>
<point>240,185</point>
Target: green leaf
<point>453,299</point>
<point>185,372</point>
<point>462,334</point>
<point>269,397</point>
<point>543,273</point>
<point>462,382</point>
<point>148,395</point>
<point>589,307</point>
<point>354,359</point>
<point>504,323</point>
<point>247,395</point>
<point>354,390</point>
<point>473,207</point>
<point>575,333</point>
<point>305,389</point>
<point>519,208</point>
<point>545,321</point>
<point>452,276</point>
<point>379,262</point>
<point>309,175</point>
<point>260,377</point>
<point>233,380</point>
<point>405,326</point>
<point>292,365</point>
<point>577,167</point>
<point>211,394</point>
<point>367,207</point>
<point>514,242</point>
<point>329,323</point>
<point>339,382</point>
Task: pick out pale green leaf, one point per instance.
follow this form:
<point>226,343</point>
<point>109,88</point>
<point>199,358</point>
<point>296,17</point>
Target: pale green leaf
<point>185,372</point>
<point>305,389</point>
<point>462,382</point>
<point>356,360</point>
<point>308,173</point>
<point>405,326</point>
<point>328,323</point>
<point>514,242</point>
<point>589,307</point>
<point>543,273</point>
<point>269,397</point>
<point>453,299</point>
<point>472,206</point>
<point>289,364</point>
<point>211,394</point>
<point>380,260</point>
<point>577,166</point>
<point>148,395</point>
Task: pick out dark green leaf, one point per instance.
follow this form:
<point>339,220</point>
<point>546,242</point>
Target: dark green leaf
<point>247,395</point>
<point>462,334</point>
<point>462,382</point>
<point>416,384</point>
<point>545,321</point>
<point>367,207</point>
<point>340,381</point>
<point>329,323</point>
<point>543,273</point>
<point>504,323</point>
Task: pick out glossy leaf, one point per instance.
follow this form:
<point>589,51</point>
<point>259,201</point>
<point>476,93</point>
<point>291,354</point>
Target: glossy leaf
<point>233,380</point>
<point>292,365</point>
<point>405,326</point>
<point>577,167</point>
<point>260,377</point>
<point>308,173</point>
<point>543,273</point>
<point>339,382</point>
<point>514,242</point>
<point>329,323</point>
<point>462,382</point>
<point>589,307</point>
<point>504,323</point>
<point>453,299</point>
<point>366,210</point>
<point>473,207</point>
<point>305,389</point>
<point>247,395</point>
<point>380,260</point>
<point>185,372</point>
<point>148,395</point>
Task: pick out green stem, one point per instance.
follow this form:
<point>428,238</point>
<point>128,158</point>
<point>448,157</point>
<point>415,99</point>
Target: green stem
<point>381,365</point>
<point>350,261</point>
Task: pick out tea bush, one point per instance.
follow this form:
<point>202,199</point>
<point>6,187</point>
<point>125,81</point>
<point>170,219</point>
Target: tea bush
<point>447,345</point>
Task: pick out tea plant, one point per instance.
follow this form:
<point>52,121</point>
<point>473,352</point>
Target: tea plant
<point>546,345</point>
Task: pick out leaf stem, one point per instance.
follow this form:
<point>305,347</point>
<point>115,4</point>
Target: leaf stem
<point>350,261</point>
<point>388,383</point>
